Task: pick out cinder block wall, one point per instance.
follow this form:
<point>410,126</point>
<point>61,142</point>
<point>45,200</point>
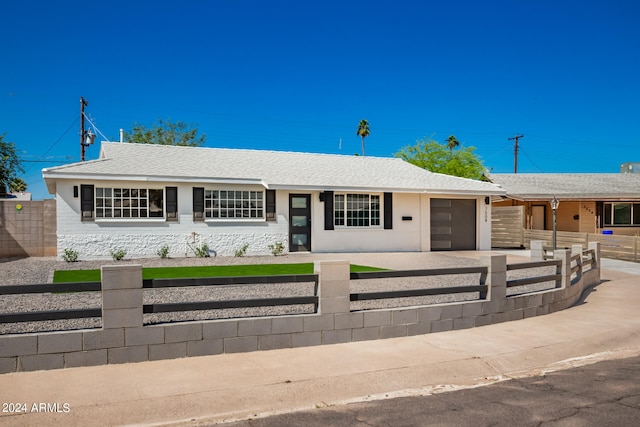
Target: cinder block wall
<point>27,228</point>
<point>124,339</point>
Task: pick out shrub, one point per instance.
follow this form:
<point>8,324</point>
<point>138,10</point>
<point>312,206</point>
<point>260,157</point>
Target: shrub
<point>242,251</point>
<point>118,254</point>
<point>202,251</point>
<point>277,248</point>
<point>163,252</point>
<point>70,255</point>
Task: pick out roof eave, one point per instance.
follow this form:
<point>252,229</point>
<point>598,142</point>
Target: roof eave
<point>385,189</point>
<point>51,178</point>
<point>576,198</point>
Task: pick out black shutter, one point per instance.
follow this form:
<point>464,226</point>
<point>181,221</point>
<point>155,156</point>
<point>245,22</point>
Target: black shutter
<point>271,205</point>
<point>328,210</point>
<point>198,203</point>
<point>172,203</point>
<point>86,201</point>
<point>388,211</point>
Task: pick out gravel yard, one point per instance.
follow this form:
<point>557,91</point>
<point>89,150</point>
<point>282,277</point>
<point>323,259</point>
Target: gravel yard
<point>40,270</point>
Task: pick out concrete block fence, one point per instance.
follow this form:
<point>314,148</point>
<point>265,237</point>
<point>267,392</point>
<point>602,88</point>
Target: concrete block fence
<point>124,339</point>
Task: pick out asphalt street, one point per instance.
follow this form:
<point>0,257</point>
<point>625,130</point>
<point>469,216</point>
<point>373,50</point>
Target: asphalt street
<point>602,394</point>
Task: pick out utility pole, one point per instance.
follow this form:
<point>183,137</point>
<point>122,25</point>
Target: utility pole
<point>83,103</point>
<point>515,152</point>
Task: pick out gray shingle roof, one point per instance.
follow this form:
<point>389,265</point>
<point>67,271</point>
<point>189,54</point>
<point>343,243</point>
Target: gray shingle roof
<point>577,186</point>
<point>274,169</point>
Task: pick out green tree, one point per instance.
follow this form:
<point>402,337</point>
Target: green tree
<point>363,132</point>
<point>436,157</point>
<point>9,163</point>
<point>166,132</point>
<point>17,185</point>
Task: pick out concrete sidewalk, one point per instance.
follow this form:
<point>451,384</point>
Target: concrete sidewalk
<point>234,386</point>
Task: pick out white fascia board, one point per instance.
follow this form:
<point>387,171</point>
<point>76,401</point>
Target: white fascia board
<point>340,189</point>
<point>138,178</point>
<point>466,192</point>
<point>497,192</point>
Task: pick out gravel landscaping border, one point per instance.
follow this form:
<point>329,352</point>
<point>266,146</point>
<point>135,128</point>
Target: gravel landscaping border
<point>36,270</point>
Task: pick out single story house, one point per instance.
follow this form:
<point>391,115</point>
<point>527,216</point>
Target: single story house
<point>589,202</point>
<point>139,198</point>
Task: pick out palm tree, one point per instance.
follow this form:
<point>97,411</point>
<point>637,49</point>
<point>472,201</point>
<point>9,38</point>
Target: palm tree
<point>452,142</point>
<point>363,131</point>
<point>17,185</point>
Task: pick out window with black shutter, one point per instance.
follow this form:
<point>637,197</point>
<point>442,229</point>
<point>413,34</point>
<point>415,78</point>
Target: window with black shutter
<point>172,203</point>
<point>328,210</point>
<point>198,203</point>
<point>388,211</point>
<point>271,205</point>
<point>86,202</point>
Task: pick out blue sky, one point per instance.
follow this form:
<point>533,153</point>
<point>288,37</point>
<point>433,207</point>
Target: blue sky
<point>296,75</point>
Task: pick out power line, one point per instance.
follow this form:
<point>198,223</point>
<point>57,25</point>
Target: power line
<point>61,136</point>
<point>532,162</point>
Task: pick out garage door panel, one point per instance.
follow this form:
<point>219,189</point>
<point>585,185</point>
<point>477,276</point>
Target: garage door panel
<point>453,224</point>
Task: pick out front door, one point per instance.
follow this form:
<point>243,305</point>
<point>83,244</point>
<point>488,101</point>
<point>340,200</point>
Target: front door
<point>300,222</point>
<point>537,217</point>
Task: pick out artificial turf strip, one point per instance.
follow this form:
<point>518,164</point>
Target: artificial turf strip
<point>62,276</point>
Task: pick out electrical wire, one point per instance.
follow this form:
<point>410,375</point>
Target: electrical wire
<point>61,136</point>
<point>94,126</point>
<point>532,162</point>
<point>56,142</point>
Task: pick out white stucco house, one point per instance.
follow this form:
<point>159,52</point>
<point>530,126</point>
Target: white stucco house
<point>140,197</point>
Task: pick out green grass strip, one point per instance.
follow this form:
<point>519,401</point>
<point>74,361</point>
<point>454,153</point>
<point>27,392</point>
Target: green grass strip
<point>61,276</point>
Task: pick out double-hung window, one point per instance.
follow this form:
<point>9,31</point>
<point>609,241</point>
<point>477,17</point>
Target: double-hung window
<point>231,204</point>
<point>621,213</point>
<point>129,202</point>
<point>356,210</point>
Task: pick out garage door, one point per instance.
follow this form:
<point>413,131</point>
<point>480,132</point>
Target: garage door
<point>453,224</point>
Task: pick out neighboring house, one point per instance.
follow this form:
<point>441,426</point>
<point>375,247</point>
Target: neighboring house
<point>589,203</point>
<point>139,197</point>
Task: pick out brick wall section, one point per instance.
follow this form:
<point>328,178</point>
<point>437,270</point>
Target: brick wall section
<point>30,231</point>
<point>123,338</point>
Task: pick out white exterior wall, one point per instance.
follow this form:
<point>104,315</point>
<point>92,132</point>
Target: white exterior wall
<point>143,238</point>
<point>405,236</point>
<point>483,218</point>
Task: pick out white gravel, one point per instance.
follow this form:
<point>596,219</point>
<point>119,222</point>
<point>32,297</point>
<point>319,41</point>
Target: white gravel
<point>37,270</point>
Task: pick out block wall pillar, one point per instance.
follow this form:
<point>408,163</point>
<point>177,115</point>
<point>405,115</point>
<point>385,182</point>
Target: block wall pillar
<point>121,296</point>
